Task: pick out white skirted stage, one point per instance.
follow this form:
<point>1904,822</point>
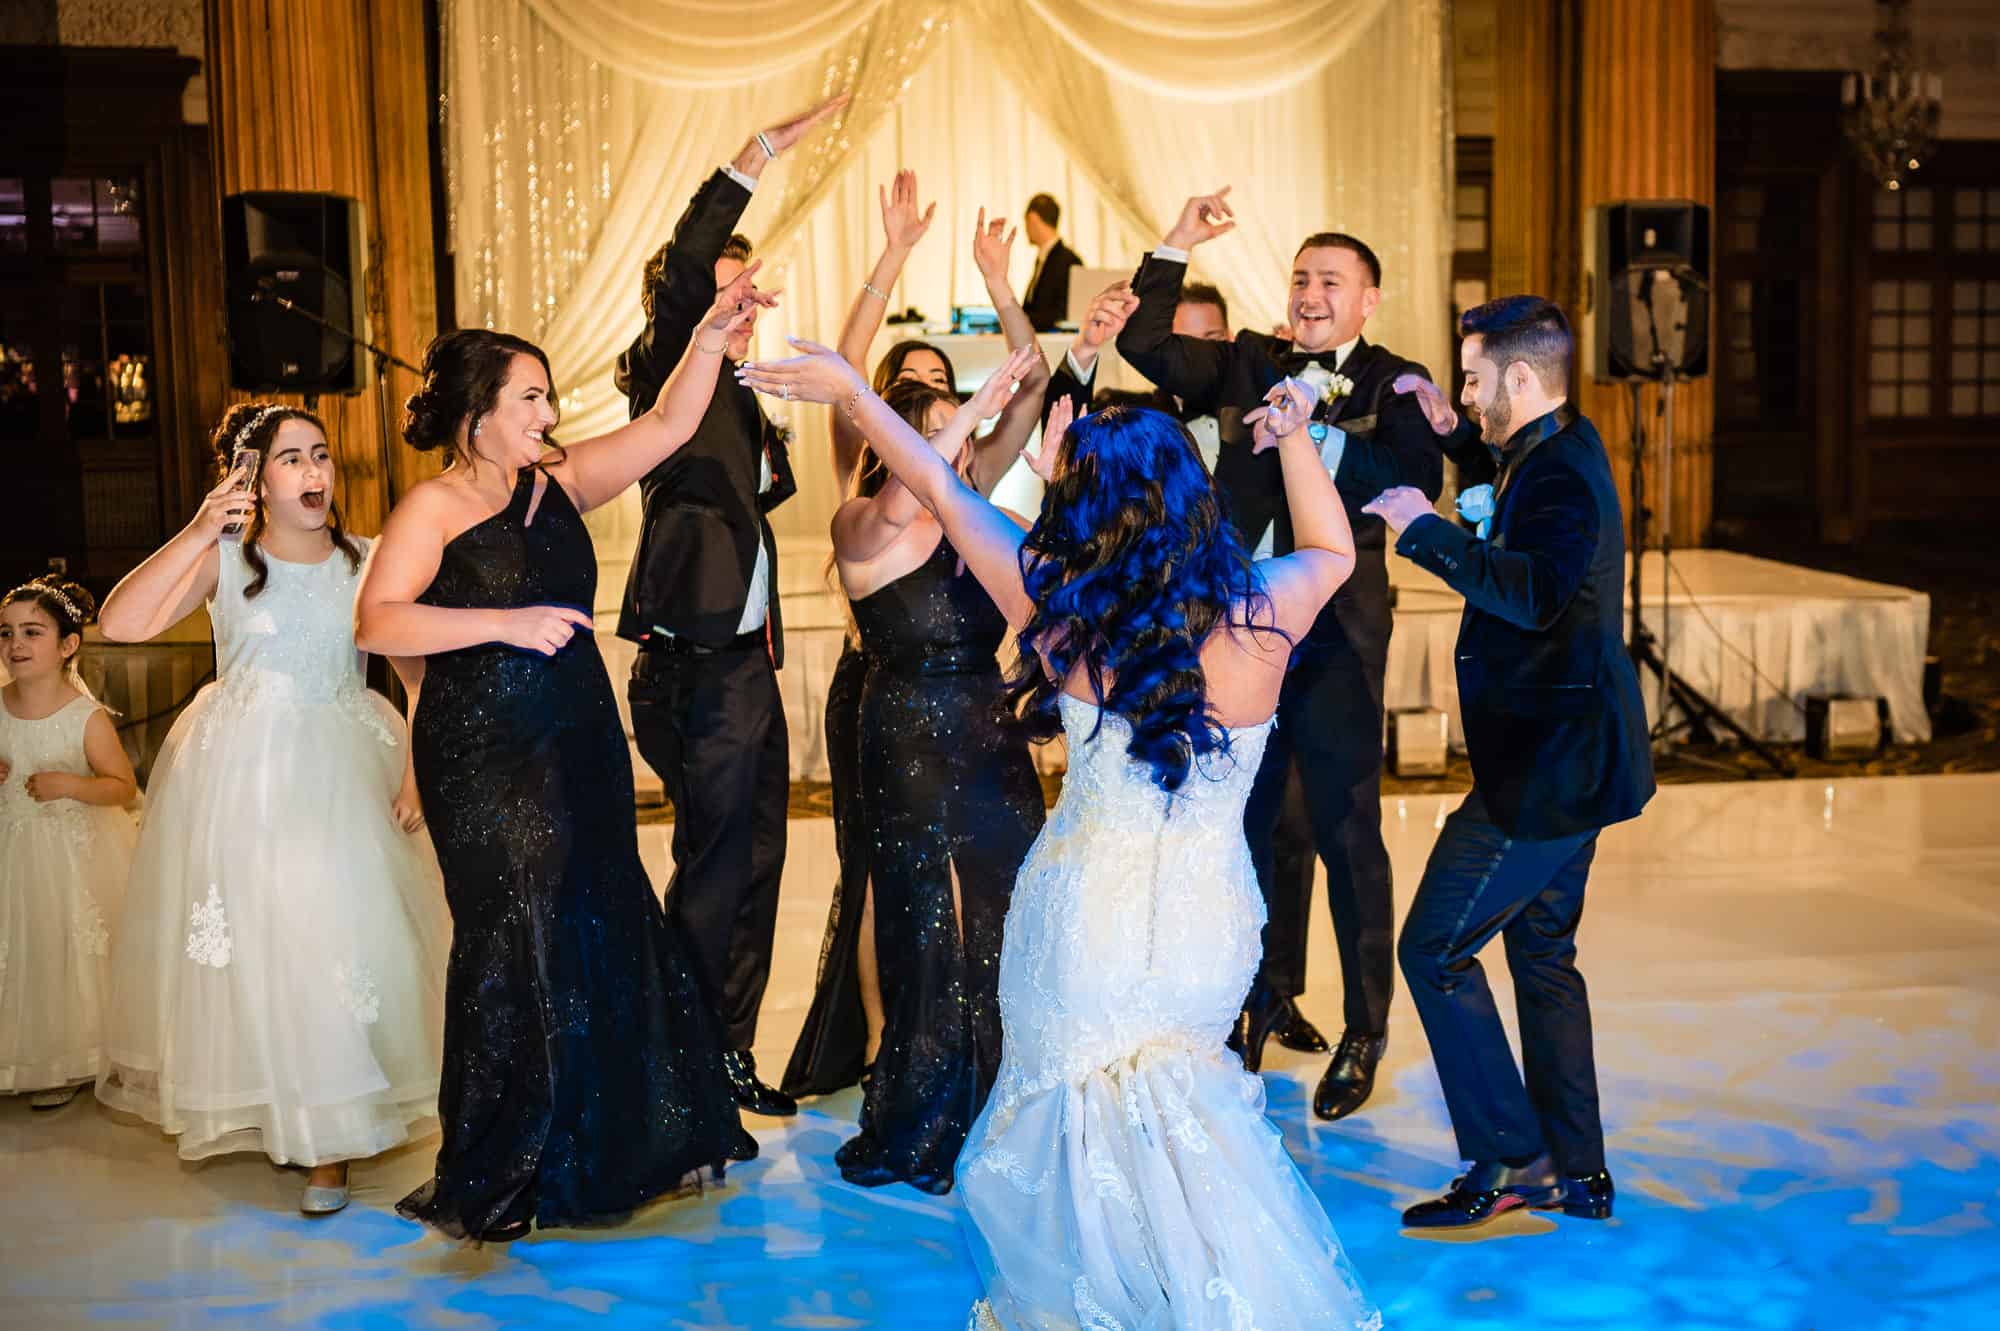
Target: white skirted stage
<point>1754,635</point>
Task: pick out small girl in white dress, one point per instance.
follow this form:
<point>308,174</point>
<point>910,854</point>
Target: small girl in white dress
<point>65,847</point>
<point>278,982</point>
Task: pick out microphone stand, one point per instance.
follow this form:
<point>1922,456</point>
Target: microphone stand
<point>383,358</point>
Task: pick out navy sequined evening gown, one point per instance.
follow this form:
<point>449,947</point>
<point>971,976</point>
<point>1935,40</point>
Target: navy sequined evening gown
<point>582,1067</point>
<point>946,786</point>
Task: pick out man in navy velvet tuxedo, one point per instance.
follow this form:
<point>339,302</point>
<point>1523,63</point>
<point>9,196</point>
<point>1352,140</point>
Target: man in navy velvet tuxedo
<point>1559,746</point>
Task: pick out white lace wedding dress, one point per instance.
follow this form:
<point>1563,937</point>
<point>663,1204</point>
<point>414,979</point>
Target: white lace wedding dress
<point>1123,1176</point>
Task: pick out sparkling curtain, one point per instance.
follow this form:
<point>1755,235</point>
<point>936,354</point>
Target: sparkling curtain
<point>578,129</point>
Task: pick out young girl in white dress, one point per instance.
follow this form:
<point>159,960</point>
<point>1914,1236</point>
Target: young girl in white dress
<point>278,982</point>
<point>65,847</point>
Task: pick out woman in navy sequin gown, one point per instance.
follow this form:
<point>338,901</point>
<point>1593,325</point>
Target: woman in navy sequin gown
<point>953,807</point>
<point>582,1067</point>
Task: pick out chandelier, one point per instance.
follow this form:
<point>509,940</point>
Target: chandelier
<point>1891,115</point>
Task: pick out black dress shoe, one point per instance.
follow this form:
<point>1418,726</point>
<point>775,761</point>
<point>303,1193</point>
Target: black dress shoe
<point>1585,1196</point>
<point>507,1233</point>
<point>1350,1077</point>
<point>743,1148</point>
<point>752,1094</point>
<point>1262,1013</point>
<point>1295,1032</point>
<point>1487,1191</point>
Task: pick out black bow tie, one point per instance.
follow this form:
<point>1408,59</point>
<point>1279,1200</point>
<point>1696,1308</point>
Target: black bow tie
<point>1291,362</point>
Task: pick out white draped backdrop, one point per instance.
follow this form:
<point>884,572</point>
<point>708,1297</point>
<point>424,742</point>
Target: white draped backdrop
<point>577,129</point>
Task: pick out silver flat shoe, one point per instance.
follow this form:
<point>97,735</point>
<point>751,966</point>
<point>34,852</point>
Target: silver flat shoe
<point>323,1201</point>
<point>54,1098</point>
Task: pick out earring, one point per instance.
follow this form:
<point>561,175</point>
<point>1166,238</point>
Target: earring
<point>475,428</point>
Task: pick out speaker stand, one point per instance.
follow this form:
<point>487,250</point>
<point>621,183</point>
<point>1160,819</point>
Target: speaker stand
<point>1699,714</point>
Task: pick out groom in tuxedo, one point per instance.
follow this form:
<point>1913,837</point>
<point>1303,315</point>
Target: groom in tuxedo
<point>1558,739</point>
<point>701,601</point>
<point>1330,713</point>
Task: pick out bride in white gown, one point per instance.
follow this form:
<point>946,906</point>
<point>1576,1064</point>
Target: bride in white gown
<point>1123,1175</point>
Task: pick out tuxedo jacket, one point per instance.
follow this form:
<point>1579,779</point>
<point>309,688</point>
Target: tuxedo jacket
<point>704,517</point>
<point>1389,443</point>
<point>1550,702</point>
<point>1047,301</point>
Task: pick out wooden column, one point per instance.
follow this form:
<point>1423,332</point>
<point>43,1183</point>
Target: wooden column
<point>1536,246</point>
<point>1646,130</point>
<point>329,95</point>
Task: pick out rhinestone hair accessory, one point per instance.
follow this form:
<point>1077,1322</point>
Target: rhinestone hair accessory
<point>256,423</point>
<point>60,597</point>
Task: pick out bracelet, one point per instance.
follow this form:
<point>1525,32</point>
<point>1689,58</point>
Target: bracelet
<point>711,351</point>
<point>765,144</point>
<point>853,401</point>
<point>875,291</point>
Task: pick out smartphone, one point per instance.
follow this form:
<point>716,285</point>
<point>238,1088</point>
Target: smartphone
<point>242,475</point>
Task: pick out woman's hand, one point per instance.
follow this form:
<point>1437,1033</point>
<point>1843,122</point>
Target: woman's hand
<point>901,222</point>
<point>992,244</point>
<point>1288,406</point>
<point>1043,463</point>
<point>999,386</point>
<point>46,786</point>
<point>736,305</point>
<point>229,502</point>
<point>407,808</point>
<point>544,628</point>
<point>818,375</point>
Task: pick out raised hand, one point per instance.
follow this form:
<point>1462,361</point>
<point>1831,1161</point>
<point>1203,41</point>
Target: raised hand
<point>992,244</point>
<point>788,132</point>
<point>1431,399</point>
<point>1043,463</point>
<point>1107,314</point>
<point>544,628</point>
<point>901,221</point>
<point>736,305</point>
<point>819,374</point>
<point>999,385</point>
<point>1287,408</point>
<point>1204,217</point>
<point>1399,507</point>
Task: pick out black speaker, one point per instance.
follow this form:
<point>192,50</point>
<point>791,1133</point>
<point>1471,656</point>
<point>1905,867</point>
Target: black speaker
<point>305,249</point>
<point>1648,269</point>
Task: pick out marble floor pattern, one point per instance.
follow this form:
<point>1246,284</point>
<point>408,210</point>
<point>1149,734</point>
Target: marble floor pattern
<point>1798,1035</point>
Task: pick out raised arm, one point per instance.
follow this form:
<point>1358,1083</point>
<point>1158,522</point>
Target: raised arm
<point>988,541</point>
<point>178,576</point>
<point>1400,450</point>
<point>1301,583</point>
<point>863,528</point>
<point>902,227</point>
<point>389,621</point>
<point>992,244</point>
<point>685,282</point>
<point>1191,368</point>
<point>598,470</point>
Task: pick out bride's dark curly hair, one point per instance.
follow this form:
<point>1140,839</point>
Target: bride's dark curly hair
<point>1130,567</point>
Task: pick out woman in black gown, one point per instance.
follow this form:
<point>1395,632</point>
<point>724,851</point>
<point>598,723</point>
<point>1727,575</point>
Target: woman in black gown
<point>836,1044</point>
<point>582,1066</point>
<point>953,805</point>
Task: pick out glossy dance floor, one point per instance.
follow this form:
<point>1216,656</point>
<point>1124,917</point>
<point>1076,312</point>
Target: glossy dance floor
<point>1799,1040</point>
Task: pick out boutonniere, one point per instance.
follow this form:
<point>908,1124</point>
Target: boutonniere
<point>1327,386</point>
<point>1476,506</point>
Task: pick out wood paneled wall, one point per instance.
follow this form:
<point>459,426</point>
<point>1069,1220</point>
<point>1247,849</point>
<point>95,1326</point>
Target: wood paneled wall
<point>329,95</point>
<point>1602,100</point>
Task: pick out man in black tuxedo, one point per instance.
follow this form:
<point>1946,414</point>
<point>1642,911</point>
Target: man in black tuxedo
<point>1558,738</point>
<point>702,604</point>
<point>1285,859</point>
<point>1047,301</point>
<point>1330,713</point>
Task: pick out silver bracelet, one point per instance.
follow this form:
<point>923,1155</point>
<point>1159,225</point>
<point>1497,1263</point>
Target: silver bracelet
<point>875,291</point>
<point>765,144</point>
